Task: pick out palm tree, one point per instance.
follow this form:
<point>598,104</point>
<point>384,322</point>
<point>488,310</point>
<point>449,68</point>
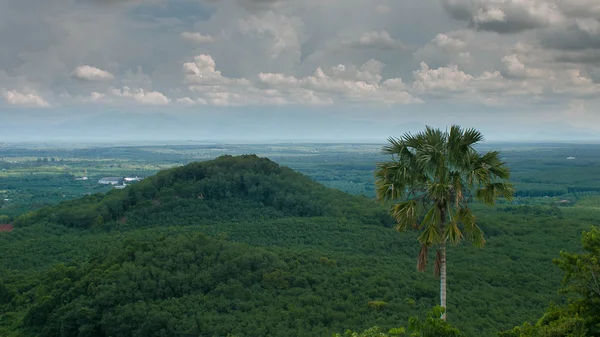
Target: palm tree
<point>431,177</point>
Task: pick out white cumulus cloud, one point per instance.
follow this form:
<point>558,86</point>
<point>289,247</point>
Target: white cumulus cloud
<point>377,40</point>
<point>340,84</point>
<point>197,37</point>
<point>89,73</point>
<point>141,96</point>
<point>13,97</point>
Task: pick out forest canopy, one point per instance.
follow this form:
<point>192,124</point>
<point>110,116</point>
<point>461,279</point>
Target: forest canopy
<point>246,247</point>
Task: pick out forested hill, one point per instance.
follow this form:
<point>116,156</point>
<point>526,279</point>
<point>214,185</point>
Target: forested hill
<point>227,188</point>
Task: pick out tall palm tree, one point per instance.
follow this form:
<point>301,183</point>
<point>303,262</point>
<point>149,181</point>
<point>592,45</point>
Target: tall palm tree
<point>431,177</point>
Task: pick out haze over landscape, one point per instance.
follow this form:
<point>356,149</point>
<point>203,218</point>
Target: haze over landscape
<point>276,70</point>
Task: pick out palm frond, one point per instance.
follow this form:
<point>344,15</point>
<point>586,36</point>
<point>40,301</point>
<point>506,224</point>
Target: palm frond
<point>477,238</point>
<point>471,136</point>
<point>430,224</point>
<point>395,146</point>
<point>406,214</point>
<point>440,192</point>
<point>472,232</point>
<point>491,191</point>
<point>422,259</point>
<point>391,179</point>
<point>453,233</point>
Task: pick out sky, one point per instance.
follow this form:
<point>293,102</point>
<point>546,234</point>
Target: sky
<point>278,70</point>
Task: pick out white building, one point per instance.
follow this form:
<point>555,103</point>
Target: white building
<point>110,181</point>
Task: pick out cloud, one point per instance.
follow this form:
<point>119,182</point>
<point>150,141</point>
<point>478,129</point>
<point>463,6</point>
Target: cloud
<point>99,97</point>
<point>340,84</point>
<point>93,98</point>
<point>571,27</point>
<point>579,35</point>
<point>261,4</point>
<point>202,71</point>
<point>515,68</point>
<point>528,76</point>
<point>449,43</point>
<point>586,56</point>
<point>116,96</point>
<point>527,55</point>
<point>136,79</point>
<point>89,73</point>
<point>447,79</point>
<point>140,96</point>
<point>489,88</point>
<point>186,101</point>
<point>197,37</point>
<point>159,11</point>
<point>447,48</point>
<point>376,40</point>
<point>279,33</point>
<point>13,97</point>
<point>579,8</point>
<point>504,16</point>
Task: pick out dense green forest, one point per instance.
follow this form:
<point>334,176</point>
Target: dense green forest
<point>242,246</point>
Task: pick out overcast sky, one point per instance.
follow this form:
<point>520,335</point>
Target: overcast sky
<point>310,69</point>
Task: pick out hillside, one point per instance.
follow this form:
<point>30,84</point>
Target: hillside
<point>244,188</point>
<point>243,246</point>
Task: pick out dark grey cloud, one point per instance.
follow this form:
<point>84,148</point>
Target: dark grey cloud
<point>253,4</point>
<point>261,4</point>
<point>511,26</point>
<point>460,11</point>
<point>589,56</point>
<point>572,37</point>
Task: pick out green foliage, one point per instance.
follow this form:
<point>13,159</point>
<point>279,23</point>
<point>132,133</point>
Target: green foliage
<point>320,271</point>
<point>373,332</point>
<point>149,289</point>
<point>581,315</point>
<point>432,326</point>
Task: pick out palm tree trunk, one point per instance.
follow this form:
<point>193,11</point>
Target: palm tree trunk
<point>443,264</point>
<point>443,277</point>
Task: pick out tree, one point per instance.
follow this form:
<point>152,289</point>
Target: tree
<point>431,177</point>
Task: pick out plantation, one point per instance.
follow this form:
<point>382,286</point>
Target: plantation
<point>243,246</point>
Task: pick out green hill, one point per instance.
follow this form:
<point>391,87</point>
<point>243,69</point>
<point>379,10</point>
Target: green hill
<point>243,246</point>
<point>244,188</point>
